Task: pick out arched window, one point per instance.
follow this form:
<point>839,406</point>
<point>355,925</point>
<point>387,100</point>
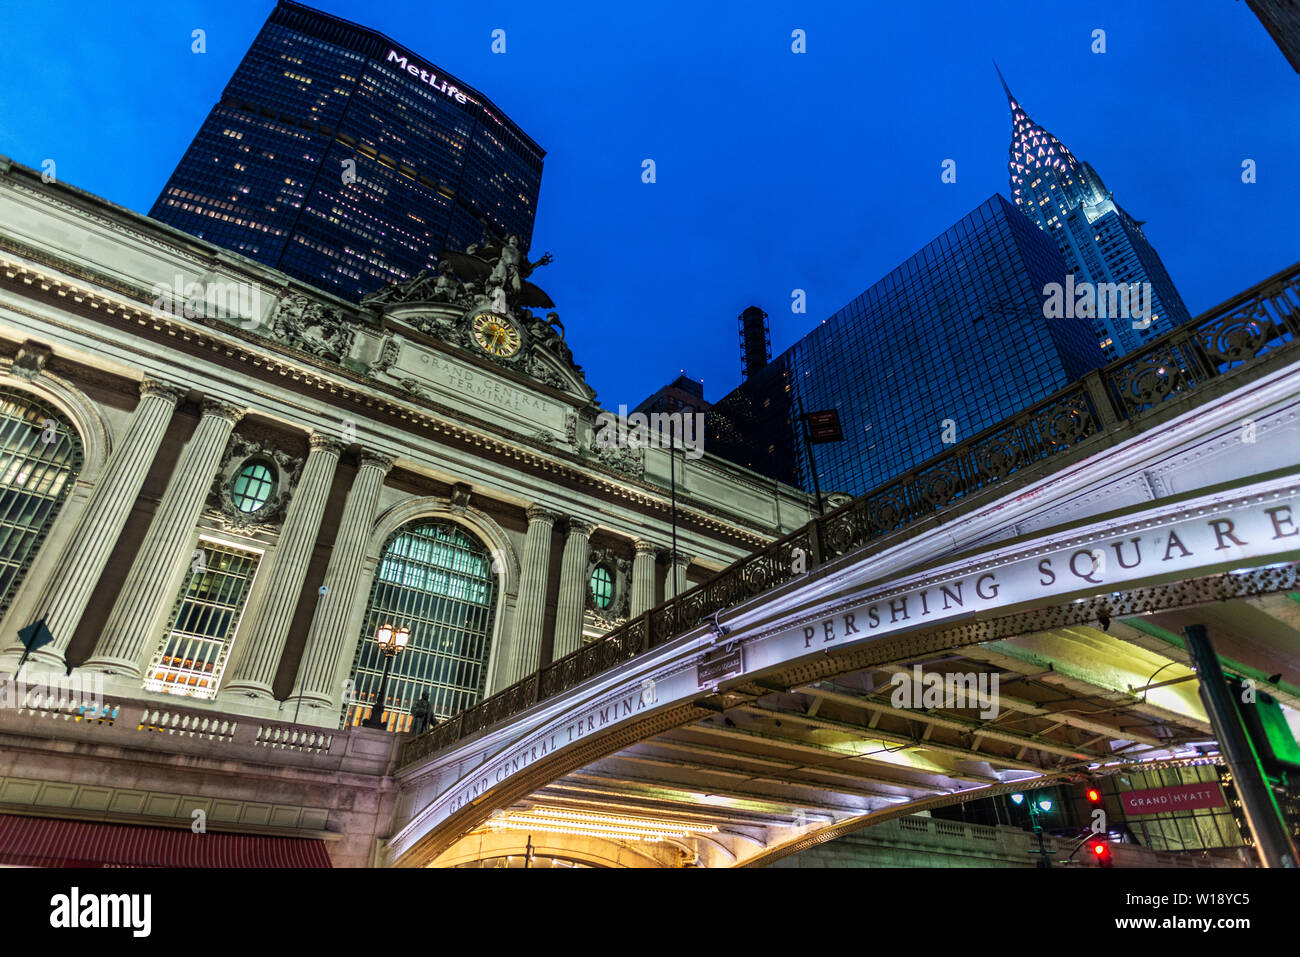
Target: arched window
<point>436,580</point>
<point>40,457</point>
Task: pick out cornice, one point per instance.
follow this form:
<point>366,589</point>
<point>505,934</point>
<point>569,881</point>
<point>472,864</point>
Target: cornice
<point>281,361</point>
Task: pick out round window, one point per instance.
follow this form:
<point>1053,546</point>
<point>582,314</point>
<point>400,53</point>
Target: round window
<point>252,486</point>
<point>602,587</point>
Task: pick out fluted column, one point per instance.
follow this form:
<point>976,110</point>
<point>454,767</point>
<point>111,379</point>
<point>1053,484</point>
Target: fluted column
<point>268,633</point>
<point>66,592</point>
<point>676,582</point>
<point>573,588</point>
<point>160,564</point>
<point>316,686</point>
<point>530,611</point>
<point>643,577</point>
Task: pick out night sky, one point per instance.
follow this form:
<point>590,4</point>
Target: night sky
<point>776,171</point>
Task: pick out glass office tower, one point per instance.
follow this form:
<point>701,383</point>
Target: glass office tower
<point>1101,243</point>
<point>346,161</point>
<point>951,342</point>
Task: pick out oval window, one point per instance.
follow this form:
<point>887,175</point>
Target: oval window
<point>602,587</point>
<point>252,486</point>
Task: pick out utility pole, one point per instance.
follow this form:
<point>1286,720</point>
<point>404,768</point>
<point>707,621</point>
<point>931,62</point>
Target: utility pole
<point>818,427</point>
<point>672,482</point>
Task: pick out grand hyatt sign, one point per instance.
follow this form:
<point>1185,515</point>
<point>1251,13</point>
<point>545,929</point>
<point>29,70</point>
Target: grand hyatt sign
<point>428,76</point>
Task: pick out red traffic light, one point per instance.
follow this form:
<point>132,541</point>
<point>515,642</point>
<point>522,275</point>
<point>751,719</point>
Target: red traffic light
<point>1094,795</point>
<point>1101,850</point>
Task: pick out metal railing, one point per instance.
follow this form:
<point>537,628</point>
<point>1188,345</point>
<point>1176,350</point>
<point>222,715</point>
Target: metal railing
<point>1243,331</point>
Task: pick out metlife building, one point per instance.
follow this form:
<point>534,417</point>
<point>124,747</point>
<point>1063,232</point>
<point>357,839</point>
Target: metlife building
<point>346,161</point>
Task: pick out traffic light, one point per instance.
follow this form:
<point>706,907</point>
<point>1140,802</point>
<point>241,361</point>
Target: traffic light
<point>1093,795</point>
<point>1101,852</point>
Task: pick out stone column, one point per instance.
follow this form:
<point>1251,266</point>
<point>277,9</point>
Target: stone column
<point>643,577</point>
<point>267,634</point>
<point>676,583</point>
<point>129,636</point>
<point>573,588</point>
<point>64,597</point>
<point>530,611</point>
<point>316,686</point>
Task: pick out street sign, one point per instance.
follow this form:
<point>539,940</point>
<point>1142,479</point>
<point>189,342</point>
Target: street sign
<point>721,666</point>
<point>824,426</point>
<point>35,636</point>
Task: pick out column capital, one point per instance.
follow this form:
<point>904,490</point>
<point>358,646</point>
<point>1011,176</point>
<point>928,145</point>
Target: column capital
<point>540,513</point>
<point>223,410</point>
<point>325,443</point>
<point>580,526</point>
<point>644,547</point>
<point>369,458</point>
<point>170,391</point>
<point>680,558</point>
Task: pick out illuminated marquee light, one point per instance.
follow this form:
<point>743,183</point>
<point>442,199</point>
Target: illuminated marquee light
<point>586,824</point>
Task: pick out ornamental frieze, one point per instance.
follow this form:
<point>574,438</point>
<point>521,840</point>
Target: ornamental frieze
<point>313,327</point>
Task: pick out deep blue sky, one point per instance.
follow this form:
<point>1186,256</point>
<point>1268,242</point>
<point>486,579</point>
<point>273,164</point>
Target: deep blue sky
<point>776,171</point>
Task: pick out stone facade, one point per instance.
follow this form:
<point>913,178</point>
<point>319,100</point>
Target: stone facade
<point>173,362</point>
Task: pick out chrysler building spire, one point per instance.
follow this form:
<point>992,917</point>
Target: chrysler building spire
<point>1033,147</point>
<point>1100,241</point>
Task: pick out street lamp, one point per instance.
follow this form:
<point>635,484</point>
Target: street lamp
<point>1037,807</point>
<point>391,642</point>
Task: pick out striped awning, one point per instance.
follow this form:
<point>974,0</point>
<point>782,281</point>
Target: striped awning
<point>46,842</point>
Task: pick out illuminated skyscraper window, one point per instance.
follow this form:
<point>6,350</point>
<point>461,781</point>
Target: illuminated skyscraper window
<point>347,162</point>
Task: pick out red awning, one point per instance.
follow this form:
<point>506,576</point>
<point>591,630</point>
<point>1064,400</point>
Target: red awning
<point>44,842</point>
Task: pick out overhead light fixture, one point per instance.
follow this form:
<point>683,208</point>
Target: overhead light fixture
<point>555,820</point>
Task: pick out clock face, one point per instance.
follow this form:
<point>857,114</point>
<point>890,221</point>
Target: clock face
<point>495,334</point>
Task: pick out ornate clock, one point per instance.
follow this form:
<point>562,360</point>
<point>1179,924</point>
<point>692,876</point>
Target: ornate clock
<point>495,334</point>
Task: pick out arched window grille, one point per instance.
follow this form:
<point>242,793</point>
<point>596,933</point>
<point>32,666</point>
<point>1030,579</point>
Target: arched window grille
<point>435,579</point>
<point>40,458</point>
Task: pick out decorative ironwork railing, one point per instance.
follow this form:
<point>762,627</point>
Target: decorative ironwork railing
<point>1243,331</point>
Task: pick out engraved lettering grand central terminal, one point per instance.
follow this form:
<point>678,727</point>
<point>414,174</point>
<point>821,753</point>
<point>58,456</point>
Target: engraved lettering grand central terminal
<point>457,381</point>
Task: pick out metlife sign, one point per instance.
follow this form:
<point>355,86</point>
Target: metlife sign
<point>427,75</point>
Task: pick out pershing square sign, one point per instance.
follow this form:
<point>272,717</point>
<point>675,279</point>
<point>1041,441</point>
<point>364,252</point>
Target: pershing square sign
<point>1245,534</point>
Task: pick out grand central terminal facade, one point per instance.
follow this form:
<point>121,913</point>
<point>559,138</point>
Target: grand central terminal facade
<point>222,485</point>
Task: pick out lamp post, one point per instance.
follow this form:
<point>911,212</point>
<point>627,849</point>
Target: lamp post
<point>391,642</point>
<point>1037,807</point>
